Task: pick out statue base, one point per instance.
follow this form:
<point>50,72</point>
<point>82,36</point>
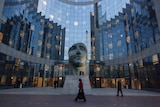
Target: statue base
<point>71,84</point>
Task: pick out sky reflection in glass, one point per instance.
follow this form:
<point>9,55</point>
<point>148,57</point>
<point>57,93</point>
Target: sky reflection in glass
<point>76,19</point>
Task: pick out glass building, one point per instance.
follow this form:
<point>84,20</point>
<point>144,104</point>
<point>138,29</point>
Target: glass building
<point>122,38</point>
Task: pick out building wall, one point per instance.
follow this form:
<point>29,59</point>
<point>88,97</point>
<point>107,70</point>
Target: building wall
<point>34,44</point>
<point>1,7</point>
<point>126,43</point>
<point>157,9</point>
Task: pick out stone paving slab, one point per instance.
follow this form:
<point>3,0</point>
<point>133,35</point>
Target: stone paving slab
<point>27,100</point>
<point>94,91</point>
<point>100,97</point>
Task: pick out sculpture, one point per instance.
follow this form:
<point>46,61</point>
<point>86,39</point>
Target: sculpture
<point>77,59</point>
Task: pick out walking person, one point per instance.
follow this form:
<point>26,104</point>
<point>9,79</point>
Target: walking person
<point>81,91</point>
<point>119,88</point>
<point>55,84</point>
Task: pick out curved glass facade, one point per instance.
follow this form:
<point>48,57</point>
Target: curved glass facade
<point>75,18</point>
<point>120,36</point>
<point>125,42</point>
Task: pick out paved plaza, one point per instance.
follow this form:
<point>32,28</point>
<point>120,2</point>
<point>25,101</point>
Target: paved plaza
<point>100,97</point>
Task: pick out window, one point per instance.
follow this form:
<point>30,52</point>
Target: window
<point>39,42</point>
<point>128,39</point>
<point>110,45</point>
<point>38,54</point>
<point>119,43</point>
<point>110,56</point>
<point>48,56</point>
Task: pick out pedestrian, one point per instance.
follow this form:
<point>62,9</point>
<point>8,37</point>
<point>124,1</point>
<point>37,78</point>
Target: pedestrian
<point>80,94</point>
<point>55,84</point>
<point>119,88</point>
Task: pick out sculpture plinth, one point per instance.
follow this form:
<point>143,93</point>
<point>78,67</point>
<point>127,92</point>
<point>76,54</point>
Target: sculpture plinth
<point>71,84</point>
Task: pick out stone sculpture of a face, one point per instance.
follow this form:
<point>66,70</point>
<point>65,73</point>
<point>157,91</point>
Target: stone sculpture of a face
<point>77,55</point>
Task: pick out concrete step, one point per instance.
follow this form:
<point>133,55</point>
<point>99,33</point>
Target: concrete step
<point>72,81</point>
